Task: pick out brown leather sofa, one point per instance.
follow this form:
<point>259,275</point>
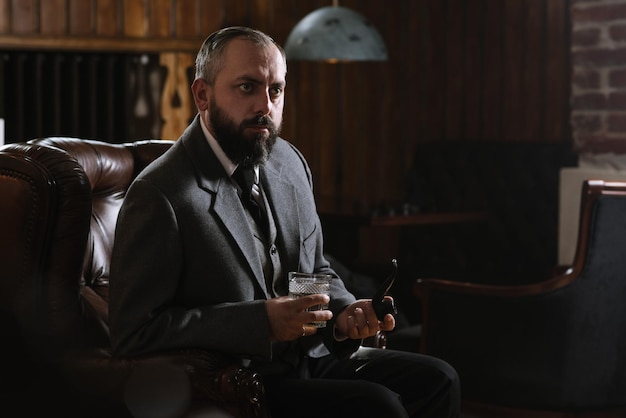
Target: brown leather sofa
<point>59,200</point>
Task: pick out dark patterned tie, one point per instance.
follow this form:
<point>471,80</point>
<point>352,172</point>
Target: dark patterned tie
<point>244,176</point>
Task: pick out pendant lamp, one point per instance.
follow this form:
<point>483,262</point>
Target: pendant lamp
<point>335,34</point>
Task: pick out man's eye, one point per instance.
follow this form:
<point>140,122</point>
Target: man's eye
<point>247,87</point>
<point>276,91</point>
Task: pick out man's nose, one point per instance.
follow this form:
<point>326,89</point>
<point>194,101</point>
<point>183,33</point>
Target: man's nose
<point>263,103</point>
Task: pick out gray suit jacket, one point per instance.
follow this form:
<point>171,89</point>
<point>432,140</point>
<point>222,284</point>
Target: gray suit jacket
<point>184,270</point>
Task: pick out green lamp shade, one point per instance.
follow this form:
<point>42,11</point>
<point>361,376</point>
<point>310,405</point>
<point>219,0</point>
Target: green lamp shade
<point>335,34</point>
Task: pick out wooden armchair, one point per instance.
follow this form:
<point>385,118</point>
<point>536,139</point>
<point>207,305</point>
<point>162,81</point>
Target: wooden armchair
<point>554,348</point>
<point>59,200</point>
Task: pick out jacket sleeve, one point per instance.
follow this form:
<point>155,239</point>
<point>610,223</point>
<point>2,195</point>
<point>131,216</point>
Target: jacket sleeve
<point>152,286</point>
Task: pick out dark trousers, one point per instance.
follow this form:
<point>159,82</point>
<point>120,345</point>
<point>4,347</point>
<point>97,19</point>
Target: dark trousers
<point>371,383</point>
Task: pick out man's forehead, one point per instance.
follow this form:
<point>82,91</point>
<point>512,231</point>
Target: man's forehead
<point>244,58</point>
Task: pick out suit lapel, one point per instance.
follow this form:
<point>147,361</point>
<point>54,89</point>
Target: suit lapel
<point>229,210</point>
<point>222,199</point>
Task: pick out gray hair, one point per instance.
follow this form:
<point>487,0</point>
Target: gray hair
<point>209,60</point>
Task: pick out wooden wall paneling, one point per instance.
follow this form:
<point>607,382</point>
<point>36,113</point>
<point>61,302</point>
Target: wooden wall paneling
<point>24,16</point>
<point>81,17</point>
<point>212,16</point>
<point>435,70</point>
<point>355,134</point>
<point>514,43</point>
<point>308,101</point>
<point>288,130</point>
<point>386,130</point>
<point>421,69</point>
<point>533,87</point>
<point>108,19</point>
<point>262,15</point>
<point>301,111</point>
<point>160,18</point>
<point>187,19</point>
<point>296,88</point>
<point>329,141</point>
<point>283,19</point>
<point>54,17</point>
<point>415,64</point>
<point>473,70</point>
<point>457,70</point>
<point>388,84</point>
<point>406,88</point>
<point>237,13</point>
<point>5,26</point>
<point>557,72</point>
<point>493,57</point>
<point>177,105</point>
<point>375,93</point>
<point>135,21</point>
<point>353,137</point>
<point>285,15</point>
<point>453,88</point>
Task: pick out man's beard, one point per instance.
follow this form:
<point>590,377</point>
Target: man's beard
<point>242,149</point>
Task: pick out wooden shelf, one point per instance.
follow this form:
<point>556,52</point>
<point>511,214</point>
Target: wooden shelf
<point>100,43</point>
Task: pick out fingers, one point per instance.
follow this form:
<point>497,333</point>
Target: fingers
<point>306,330</point>
<point>311,301</point>
<point>361,325</point>
<point>389,323</point>
<point>312,310</point>
<point>289,318</point>
<point>359,321</point>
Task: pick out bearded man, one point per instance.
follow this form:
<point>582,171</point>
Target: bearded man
<point>208,233</point>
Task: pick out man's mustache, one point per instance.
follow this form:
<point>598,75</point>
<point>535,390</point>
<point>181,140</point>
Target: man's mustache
<point>260,121</point>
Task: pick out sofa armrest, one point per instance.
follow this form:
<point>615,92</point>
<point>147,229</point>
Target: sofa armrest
<point>198,377</point>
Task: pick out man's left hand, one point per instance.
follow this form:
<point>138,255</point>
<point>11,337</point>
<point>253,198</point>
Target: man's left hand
<point>359,321</point>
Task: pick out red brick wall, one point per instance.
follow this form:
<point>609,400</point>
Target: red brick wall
<point>599,75</point>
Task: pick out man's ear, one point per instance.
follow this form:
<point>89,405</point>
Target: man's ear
<point>200,91</point>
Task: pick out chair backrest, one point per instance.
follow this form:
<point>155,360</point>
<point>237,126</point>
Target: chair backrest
<point>597,313</point>
<point>60,201</point>
<point>554,344</point>
<point>602,227</point>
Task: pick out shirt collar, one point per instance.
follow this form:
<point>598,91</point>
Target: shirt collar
<point>228,165</point>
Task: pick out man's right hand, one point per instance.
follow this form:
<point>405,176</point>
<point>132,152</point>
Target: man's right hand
<point>289,318</point>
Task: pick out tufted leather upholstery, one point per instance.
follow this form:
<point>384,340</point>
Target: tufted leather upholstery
<point>556,344</point>
<point>60,198</point>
